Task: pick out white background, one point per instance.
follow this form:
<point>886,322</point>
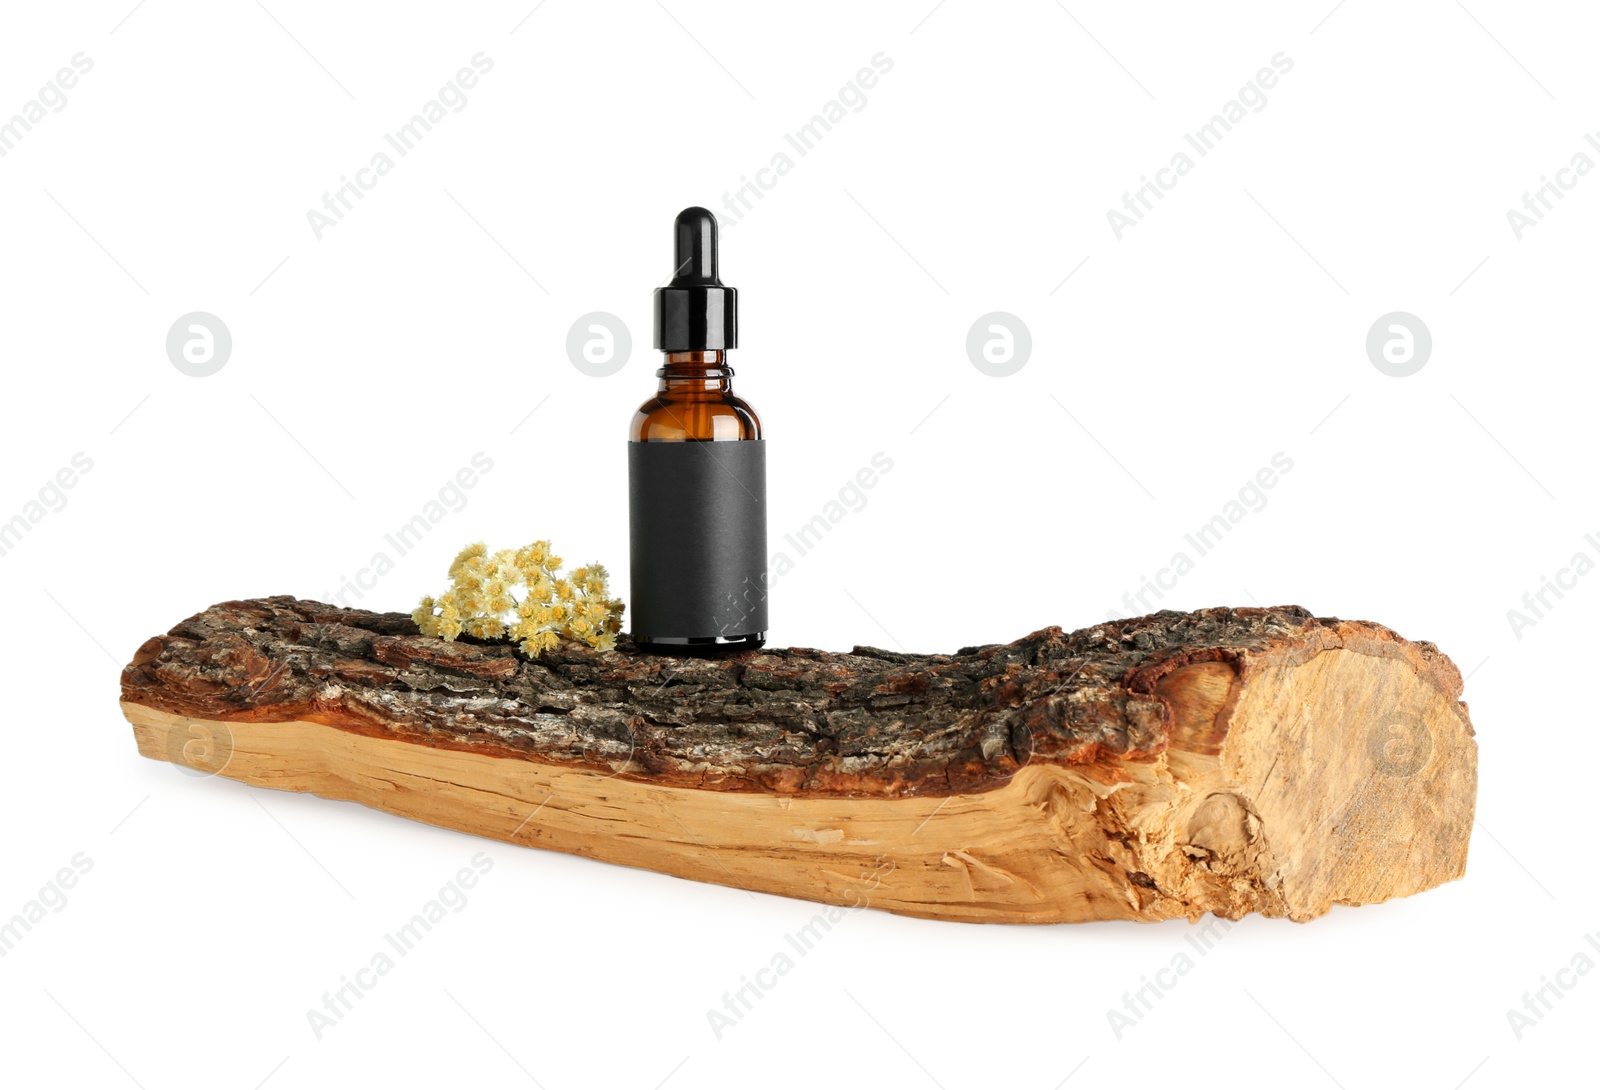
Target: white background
<point>369,366</point>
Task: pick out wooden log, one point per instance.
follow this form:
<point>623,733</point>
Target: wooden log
<point>1225,761</point>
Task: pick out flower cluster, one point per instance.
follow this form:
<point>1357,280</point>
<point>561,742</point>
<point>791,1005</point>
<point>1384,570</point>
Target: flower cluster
<point>484,601</point>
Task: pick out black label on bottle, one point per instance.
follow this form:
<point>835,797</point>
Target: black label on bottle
<point>697,535</point>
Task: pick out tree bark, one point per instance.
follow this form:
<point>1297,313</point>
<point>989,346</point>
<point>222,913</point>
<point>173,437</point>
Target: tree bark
<point>1226,760</point>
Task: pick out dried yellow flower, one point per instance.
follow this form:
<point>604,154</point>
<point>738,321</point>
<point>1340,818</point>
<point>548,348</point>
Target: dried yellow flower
<point>483,593</point>
<point>447,625</point>
<point>465,556</point>
<point>484,627</point>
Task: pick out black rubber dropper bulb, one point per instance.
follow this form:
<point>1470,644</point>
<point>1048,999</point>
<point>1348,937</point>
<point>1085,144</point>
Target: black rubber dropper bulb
<point>694,312</point>
<point>694,250</point>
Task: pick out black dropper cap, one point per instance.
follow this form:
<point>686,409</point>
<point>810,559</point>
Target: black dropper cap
<point>694,312</point>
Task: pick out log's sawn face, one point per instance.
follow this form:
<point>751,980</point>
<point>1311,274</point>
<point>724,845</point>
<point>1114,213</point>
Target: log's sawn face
<point>1227,761</point>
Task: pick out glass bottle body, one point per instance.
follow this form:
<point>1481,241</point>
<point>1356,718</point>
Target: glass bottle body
<point>695,403</point>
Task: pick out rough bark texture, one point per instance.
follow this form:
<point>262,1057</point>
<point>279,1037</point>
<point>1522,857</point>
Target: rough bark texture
<point>1227,760</point>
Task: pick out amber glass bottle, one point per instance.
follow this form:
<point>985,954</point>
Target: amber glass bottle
<point>697,471</point>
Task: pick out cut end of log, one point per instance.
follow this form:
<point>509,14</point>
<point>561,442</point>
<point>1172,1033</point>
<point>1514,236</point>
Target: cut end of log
<point>1224,761</point>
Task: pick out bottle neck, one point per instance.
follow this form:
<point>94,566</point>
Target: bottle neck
<point>695,371</point>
